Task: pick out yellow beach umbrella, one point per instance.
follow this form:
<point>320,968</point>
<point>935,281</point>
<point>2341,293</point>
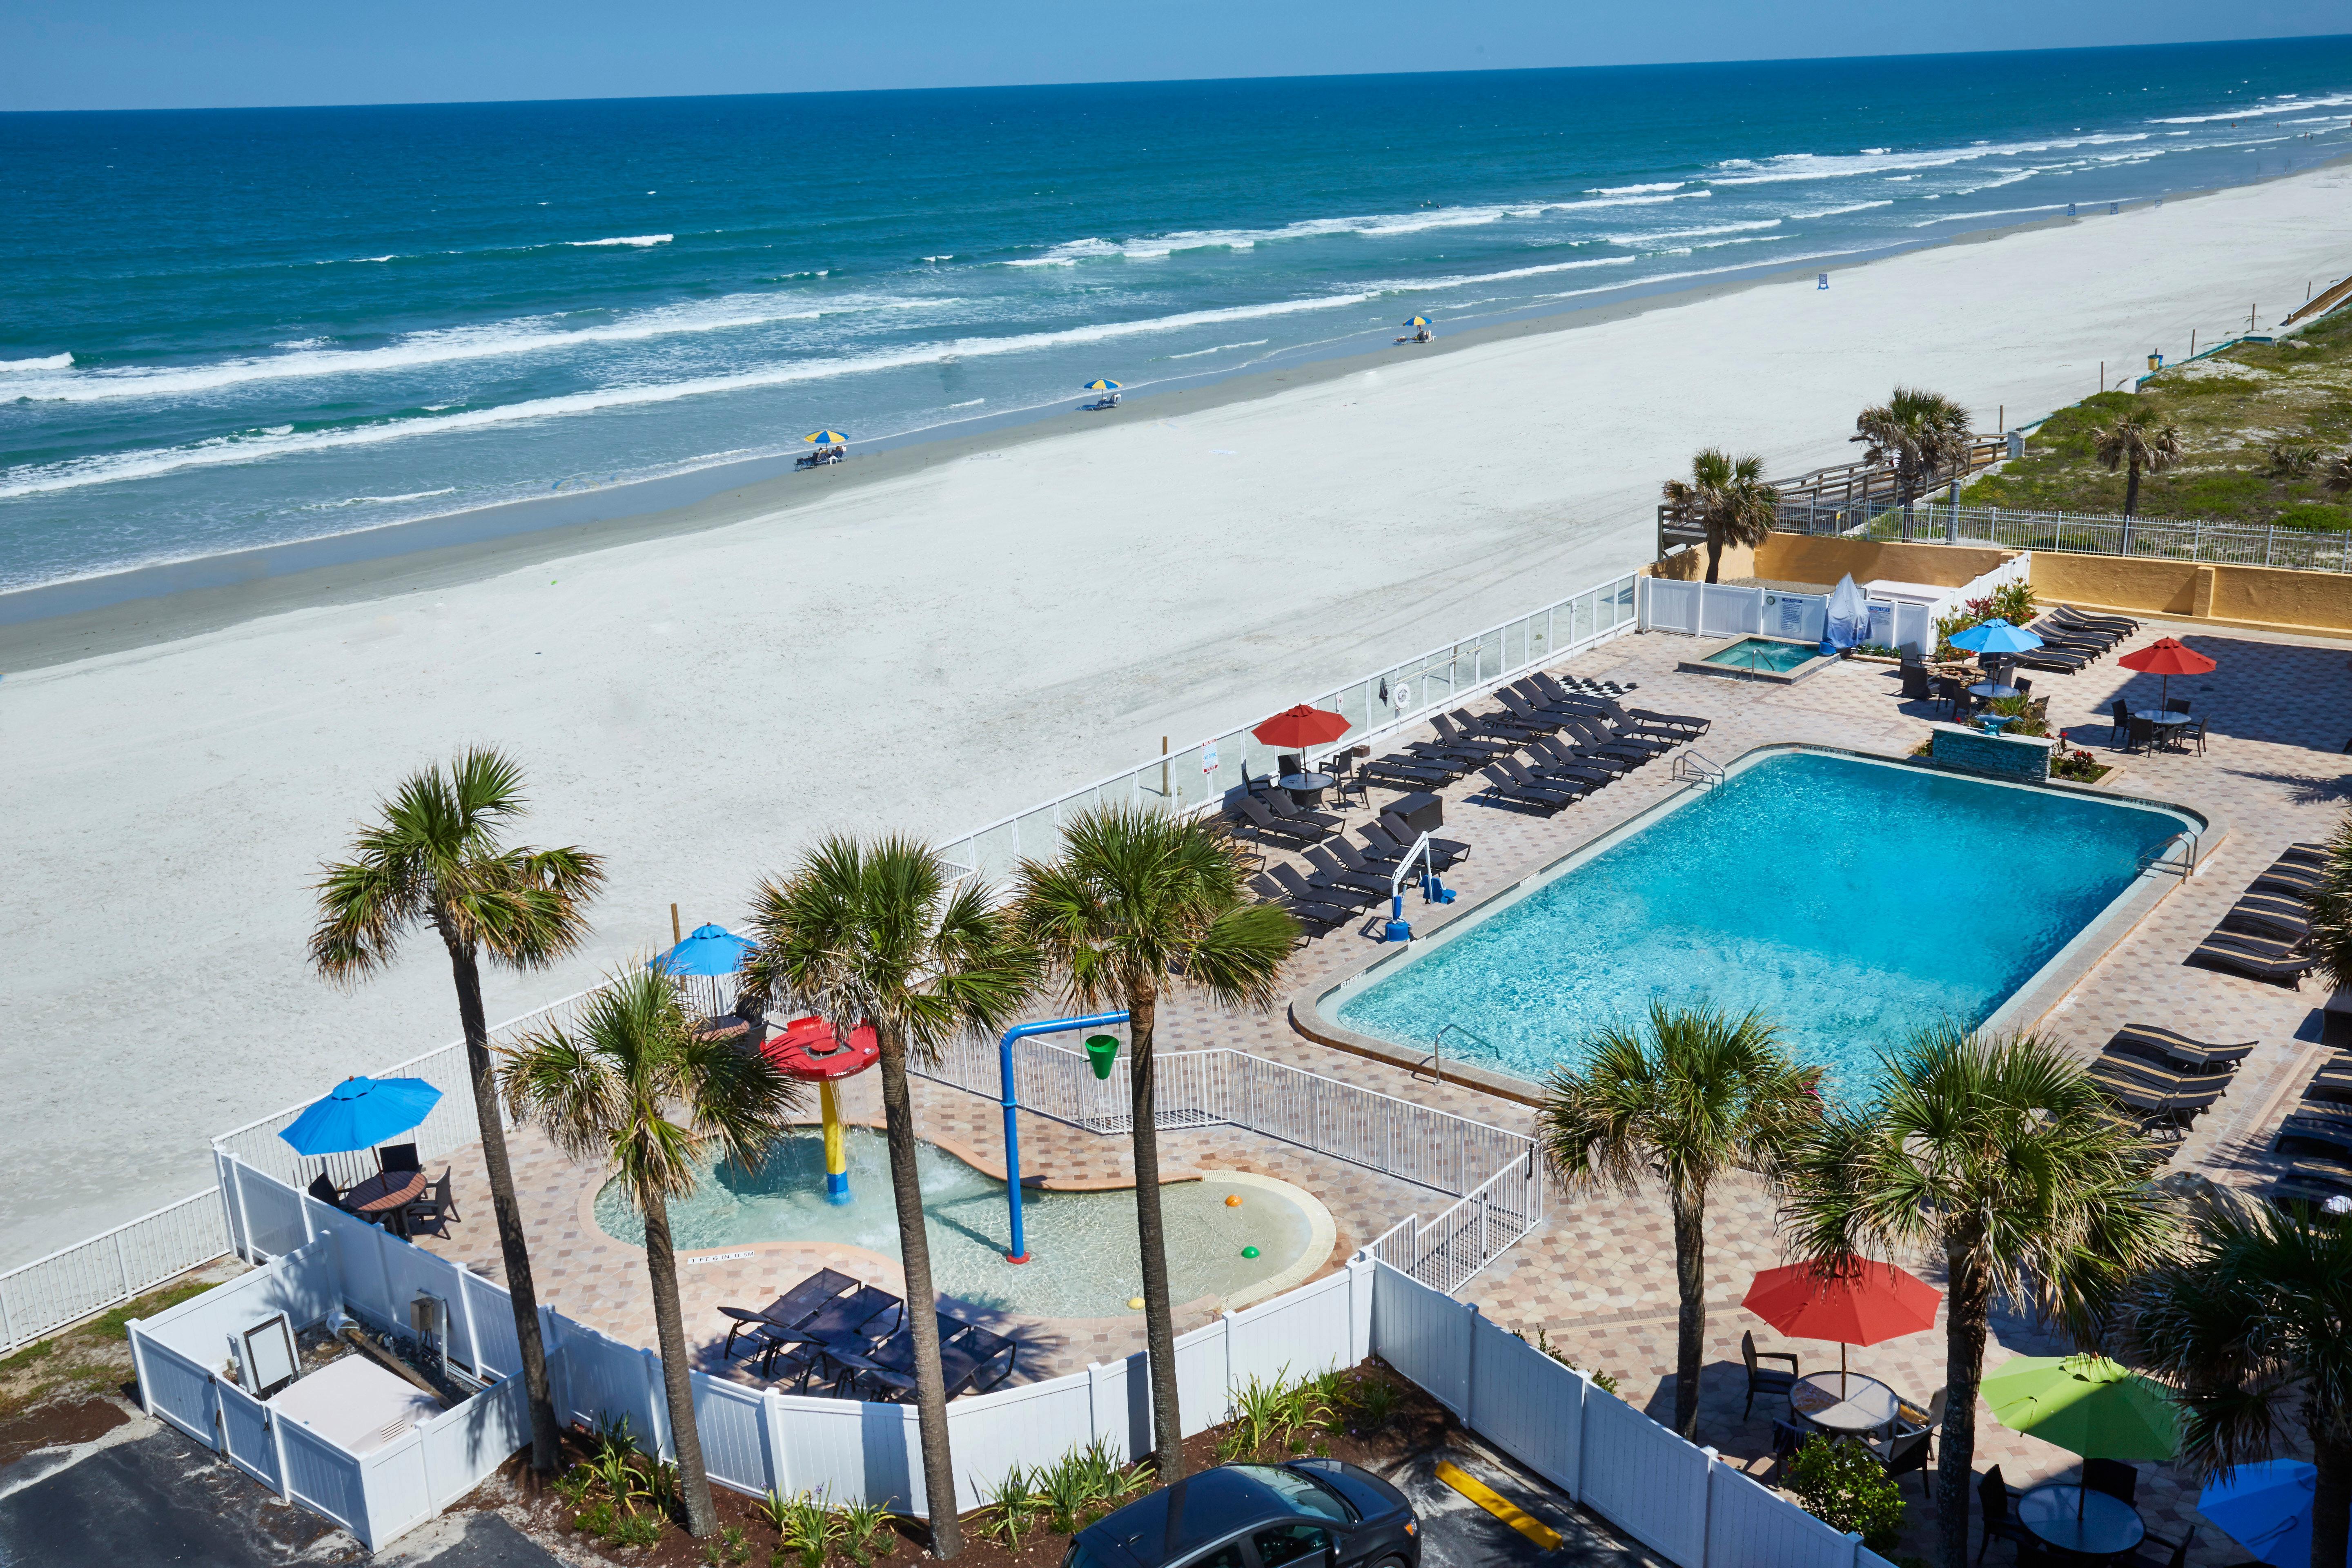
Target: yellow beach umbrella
<point>826,439</point>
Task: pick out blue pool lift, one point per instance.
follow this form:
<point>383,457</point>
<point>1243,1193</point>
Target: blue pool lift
<point>1020,1253</point>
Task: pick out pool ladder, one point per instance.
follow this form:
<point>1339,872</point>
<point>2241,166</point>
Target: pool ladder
<point>1692,768</point>
<point>1434,1062</point>
<point>2158,856</point>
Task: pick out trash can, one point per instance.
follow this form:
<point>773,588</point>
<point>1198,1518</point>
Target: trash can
<point>1424,812</point>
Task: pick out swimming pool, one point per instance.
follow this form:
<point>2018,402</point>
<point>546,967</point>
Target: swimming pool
<point>1853,900</point>
<point>1083,1260</point>
<point>1764,653</point>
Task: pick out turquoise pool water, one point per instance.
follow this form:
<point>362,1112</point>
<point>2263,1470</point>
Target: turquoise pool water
<point>1852,901</point>
<point>1763,653</point>
<point>1083,1258</point>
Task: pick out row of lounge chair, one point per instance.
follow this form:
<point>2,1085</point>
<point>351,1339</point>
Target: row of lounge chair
<point>1544,747</point>
<point>2164,1080</point>
<point>2072,640</point>
<point>1348,881</point>
<point>856,1335</point>
<point>2265,934</point>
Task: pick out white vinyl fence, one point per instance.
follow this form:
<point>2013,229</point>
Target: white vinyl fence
<point>1681,1501</point>
<point>1718,609</point>
<point>110,1268</point>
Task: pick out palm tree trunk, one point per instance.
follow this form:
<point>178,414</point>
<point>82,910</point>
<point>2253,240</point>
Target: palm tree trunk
<point>922,1302</point>
<point>514,1251</point>
<point>1714,554</point>
<point>1151,1241</point>
<point>678,1373</point>
<point>2131,489</point>
<point>2331,1501</point>
<point>1690,1324</point>
<point>1970,1304</point>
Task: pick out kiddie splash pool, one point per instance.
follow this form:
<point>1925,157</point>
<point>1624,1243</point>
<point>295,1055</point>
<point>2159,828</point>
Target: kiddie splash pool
<point>1762,659</point>
<point>1852,900</point>
<point>1083,1258</point>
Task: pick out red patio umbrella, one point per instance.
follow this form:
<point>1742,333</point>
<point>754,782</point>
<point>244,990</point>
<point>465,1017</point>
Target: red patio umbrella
<point>1861,1304</point>
<point>2168,656</point>
<point>1295,729</point>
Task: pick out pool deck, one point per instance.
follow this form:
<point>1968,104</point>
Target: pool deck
<point>1599,1274</point>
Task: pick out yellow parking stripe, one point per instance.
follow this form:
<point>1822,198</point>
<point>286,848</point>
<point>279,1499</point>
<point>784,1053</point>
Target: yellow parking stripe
<point>1485,1497</point>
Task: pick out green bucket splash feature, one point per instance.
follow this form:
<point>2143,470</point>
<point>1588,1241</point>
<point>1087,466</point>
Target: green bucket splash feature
<point>1102,1050</point>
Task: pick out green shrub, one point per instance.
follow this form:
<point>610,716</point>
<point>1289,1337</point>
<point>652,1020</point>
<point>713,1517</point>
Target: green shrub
<point>637,1530</point>
<point>1842,1484</point>
<point>729,1547</point>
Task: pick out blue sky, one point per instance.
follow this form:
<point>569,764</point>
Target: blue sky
<point>150,54</point>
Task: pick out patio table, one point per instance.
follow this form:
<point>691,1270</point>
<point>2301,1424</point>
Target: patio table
<point>1845,1402</point>
<point>1306,789</point>
<point>384,1195</point>
<point>1991,691</point>
<point>2090,1523</point>
<point>2163,719</point>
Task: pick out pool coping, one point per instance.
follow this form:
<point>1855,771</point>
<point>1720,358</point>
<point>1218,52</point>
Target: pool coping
<point>2042,991</point>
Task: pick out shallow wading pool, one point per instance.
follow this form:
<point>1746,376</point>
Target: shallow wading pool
<point>1081,1246</point>
<point>1853,900</point>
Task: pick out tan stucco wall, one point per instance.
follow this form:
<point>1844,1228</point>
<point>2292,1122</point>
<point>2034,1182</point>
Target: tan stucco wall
<point>2261,597</point>
<point>1807,558</point>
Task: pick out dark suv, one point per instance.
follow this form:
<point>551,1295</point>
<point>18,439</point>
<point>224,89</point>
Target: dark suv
<point>1317,1513</point>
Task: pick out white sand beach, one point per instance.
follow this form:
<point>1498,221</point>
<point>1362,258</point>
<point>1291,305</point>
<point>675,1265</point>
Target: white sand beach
<point>932,649</point>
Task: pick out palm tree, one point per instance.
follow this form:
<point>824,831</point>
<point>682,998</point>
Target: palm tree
<point>1727,497</point>
<point>1920,432</point>
<point>634,1082</point>
<point>876,934</point>
<point>2137,439</point>
<point>1998,1152</point>
<point>1136,905</point>
<point>1698,1095</point>
<point>2247,1322</point>
<point>434,856</point>
<point>2337,473</point>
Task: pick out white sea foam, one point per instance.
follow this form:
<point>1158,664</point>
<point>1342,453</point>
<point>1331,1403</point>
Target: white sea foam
<point>51,361</point>
<point>282,440</point>
<point>1419,285</point>
<point>1196,354</point>
<point>1819,166</point>
<point>1634,190</point>
<point>969,403</point>
<point>1694,232</point>
<point>1849,207</point>
<point>450,345</point>
<point>2288,105</point>
<point>374,500</point>
<point>638,240</point>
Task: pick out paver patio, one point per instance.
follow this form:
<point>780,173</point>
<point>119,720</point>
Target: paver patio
<point>1597,1274</point>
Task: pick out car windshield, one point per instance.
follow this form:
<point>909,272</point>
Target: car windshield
<point>1302,1492</point>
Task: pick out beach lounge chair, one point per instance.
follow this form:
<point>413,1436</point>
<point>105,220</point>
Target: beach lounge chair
<point>2272,915</point>
<point>1501,787</point>
<point>1629,717</point>
<point>1339,874</point>
<point>1569,769</point>
<point>1420,773</point>
<point>1315,917</point>
<point>1575,786</point>
<point>1593,735</point>
<point>791,1309</point>
<point>2166,1048</point>
<point>2254,957</point>
<point>2073,616</point>
<point>2055,635</point>
<point>1495,727</point>
<point>1321,890</point>
<point>2334,1080</point>
<point>1402,834</point>
<point>2305,853</point>
<point>1572,751</point>
<point>2287,876</point>
<point>1530,716</point>
<point>1455,738</point>
<point>2062,661</point>
<point>1356,860</point>
<point>1279,802</point>
<point>1294,833</point>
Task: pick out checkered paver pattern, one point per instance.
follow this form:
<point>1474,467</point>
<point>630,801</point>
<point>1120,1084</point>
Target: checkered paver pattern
<point>1597,1274</point>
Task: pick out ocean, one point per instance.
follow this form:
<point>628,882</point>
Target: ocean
<point>227,329</point>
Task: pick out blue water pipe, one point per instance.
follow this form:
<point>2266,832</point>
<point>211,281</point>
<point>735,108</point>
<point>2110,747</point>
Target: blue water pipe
<point>1020,1253</point>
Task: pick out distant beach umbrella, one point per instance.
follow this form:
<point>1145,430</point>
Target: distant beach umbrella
<point>826,439</point>
<point>1102,383</point>
<point>361,1112</point>
<point>1418,321</point>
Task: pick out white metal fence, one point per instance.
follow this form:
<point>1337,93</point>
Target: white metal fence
<point>110,1268</point>
<point>1495,1173</point>
<point>1679,1500</point>
<point>1387,698</point>
<point>2088,533</point>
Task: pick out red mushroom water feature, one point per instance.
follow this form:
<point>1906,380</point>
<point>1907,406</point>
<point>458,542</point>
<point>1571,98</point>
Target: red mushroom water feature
<point>810,1051</point>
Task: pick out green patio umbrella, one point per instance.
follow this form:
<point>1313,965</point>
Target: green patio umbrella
<point>2085,1404</point>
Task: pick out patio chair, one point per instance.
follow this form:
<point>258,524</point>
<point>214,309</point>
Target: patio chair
<point>2260,914</point>
<point>1294,834</point>
<point>2118,720</point>
<point>435,1210</point>
<point>322,1188</point>
<point>1992,1510</point>
<point>1347,779</point>
<point>1765,1380</point>
<point>398,1157</point>
<point>1281,805</point>
<point>2113,1476</point>
<point>1321,890</point>
<point>2254,957</point>
<point>2154,1552</point>
<point>2287,876</point>
<point>1575,787</point>
<point>2182,734</point>
<point>1447,851</point>
<point>1288,763</point>
<point>1786,1438</point>
<point>1502,788</point>
<point>2305,853</point>
<point>1914,682</point>
<point>1903,1453</point>
<point>2140,736</point>
<point>1340,874</point>
<point>1315,917</point>
<point>1626,718</point>
<point>2169,1047</point>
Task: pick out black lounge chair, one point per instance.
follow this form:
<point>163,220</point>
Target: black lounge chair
<point>2074,616</point>
<point>2254,957</point>
<point>2334,1080</point>
<point>1576,788</point>
<point>1629,717</point>
<point>1569,753</point>
<point>1570,769</point>
<point>1454,738</point>
<point>1315,918</point>
<point>1321,890</point>
<point>1501,727</point>
<point>1400,833</point>
<point>1419,773</point>
<point>1339,873</point>
<point>1501,787</point>
<point>1356,860</point>
<point>2056,659</point>
<point>791,1310</point>
<point>2305,853</point>
<point>2287,876</point>
<point>1279,802</point>
<point>1593,735</point>
<point>1528,715</point>
<point>2272,915</point>
<point>2166,1047</point>
<point>1270,827</point>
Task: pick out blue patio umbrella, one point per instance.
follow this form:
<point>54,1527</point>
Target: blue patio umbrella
<point>1996,635</point>
<point>359,1113</point>
<point>2265,1507</point>
<point>710,950</point>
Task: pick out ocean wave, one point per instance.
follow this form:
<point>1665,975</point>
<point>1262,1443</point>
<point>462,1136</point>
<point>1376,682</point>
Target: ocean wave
<point>50,361</point>
<point>1740,227</point>
<point>637,240</point>
<point>449,346</point>
<point>1849,207</point>
<point>1152,248</point>
<point>284,440</point>
<point>2258,111</point>
<point>1833,166</point>
<point>1427,285</point>
<point>1221,348</point>
<point>376,500</point>
<point>1635,190</point>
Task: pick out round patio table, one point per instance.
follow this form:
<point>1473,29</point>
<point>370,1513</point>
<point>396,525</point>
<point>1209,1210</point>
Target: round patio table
<point>1845,1402</point>
<point>2090,1523</point>
<point>382,1196</point>
<point>1993,691</point>
<point>1306,789</point>
<point>2163,719</point>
